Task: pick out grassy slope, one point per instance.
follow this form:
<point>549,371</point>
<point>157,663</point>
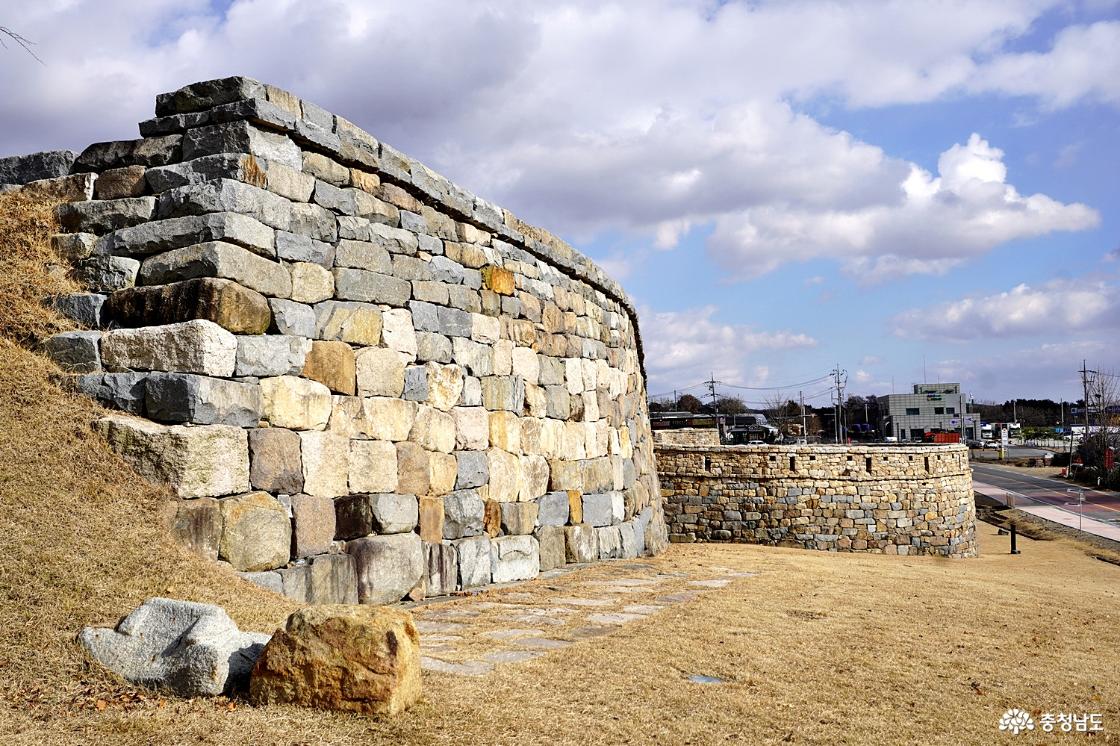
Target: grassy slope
<point>819,648</point>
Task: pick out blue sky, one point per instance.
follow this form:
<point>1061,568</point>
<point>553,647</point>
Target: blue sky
<point>891,186</point>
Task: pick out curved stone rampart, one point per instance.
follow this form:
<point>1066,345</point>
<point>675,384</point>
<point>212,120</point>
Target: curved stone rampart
<point>897,500</point>
<point>360,380</point>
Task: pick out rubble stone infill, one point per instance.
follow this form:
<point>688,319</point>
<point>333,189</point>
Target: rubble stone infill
<point>360,380</point>
<point>894,500</point>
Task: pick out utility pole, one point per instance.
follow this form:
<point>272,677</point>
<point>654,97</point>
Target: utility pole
<point>804,427</point>
<point>841,377</point>
<point>715,403</point>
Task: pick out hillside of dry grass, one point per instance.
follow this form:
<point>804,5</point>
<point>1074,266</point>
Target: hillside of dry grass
<point>816,648</point>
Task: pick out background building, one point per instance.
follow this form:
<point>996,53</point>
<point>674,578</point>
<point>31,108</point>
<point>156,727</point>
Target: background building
<point>932,407</point>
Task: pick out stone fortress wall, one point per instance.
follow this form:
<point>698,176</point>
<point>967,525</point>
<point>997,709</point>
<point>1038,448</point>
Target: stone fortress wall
<point>894,500</point>
<point>361,381</point>
<point>686,436</point>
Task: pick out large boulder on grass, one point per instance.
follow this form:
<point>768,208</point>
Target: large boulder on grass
<point>185,648</point>
<point>341,657</point>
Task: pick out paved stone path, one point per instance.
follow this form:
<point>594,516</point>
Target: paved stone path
<point>471,636</point>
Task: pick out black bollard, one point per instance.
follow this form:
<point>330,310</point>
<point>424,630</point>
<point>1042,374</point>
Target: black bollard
<point>1014,547</point>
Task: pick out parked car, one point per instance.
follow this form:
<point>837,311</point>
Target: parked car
<point>755,443</point>
<point>974,443</point>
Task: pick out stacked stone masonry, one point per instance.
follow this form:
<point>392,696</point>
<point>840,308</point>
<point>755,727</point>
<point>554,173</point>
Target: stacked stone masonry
<point>360,381</point>
<point>687,436</point>
<point>894,500</point>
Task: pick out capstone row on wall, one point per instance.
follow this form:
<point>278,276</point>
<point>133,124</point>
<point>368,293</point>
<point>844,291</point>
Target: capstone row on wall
<point>361,381</point>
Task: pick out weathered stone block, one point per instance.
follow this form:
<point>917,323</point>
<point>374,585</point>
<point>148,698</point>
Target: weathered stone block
<point>472,469</point>
<point>189,347</point>
<point>224,302</point>
<point>310,282</point>
<point>386,418</point>
<point>332,579</point>
<point>201,461</point>
<point>534,477</point>
<point>498,280</point>
<point>201,400</point>
<point>103,216</point>
<point>149,151</point>
<point>434,430</point>
<point>628,542</point>
<point>326,463</point>
<point>333,365</point>
<point>116,183</point>
<point>372,287</point>
<point>271,355</point>
<point>398,332</point>
<point>463,513</point>
<point>581,543</point>
<point>341,658</point>
<point>385,513</point>
<point>519,518</point>
<point>610,542</point>
<point>297,248</point>
<point>552,509</point>
<point>241,137</point>
<point>441,569</point>
<point>104,274</point>
<point>472,428</point>
<point>373,466</point>
<point>176,233</point>
<point>75,352</point>
<point>83,308</point>
<point>380,372</point>
<point>295,403</point>
<point>473,557</point>
<point>413,475</point>
<point>357,323</point>
<point>550,540</point>
<point>514,558</point>
<point>505,475</point>
<point>218,259</point>
<point>604,508</point>
<point>442,470</point>
<point>289,317</point>
<point>197,526</point>
<point>274,461</point>
<point>312,525</point>
<point>124,391</point>
<point>505,431</point>
<point>23,169</point>
<point>256,532</point>
<point>388,567</point>
<point>226,195</point>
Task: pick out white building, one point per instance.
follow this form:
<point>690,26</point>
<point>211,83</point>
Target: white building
<point>932,406</point>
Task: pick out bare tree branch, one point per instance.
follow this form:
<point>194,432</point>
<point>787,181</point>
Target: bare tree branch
<point>19,39</point>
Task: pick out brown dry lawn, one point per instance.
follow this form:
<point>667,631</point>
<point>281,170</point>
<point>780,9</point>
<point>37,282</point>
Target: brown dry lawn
<point>818,648</point>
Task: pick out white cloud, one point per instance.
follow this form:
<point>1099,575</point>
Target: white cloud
<point>685,347</point>
<point>655,117</point>
<point>938,221</point>
<point>1061,306</point>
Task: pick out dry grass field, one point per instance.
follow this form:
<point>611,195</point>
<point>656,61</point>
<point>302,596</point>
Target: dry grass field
<point>815,648</point>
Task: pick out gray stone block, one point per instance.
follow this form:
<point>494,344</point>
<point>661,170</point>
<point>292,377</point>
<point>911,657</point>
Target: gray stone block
<point>454,323</point>
<point>289,317</point>
<point>362,285</point>
<point>581,543</point>
<point>124,391</point>
<point>201,400</point>
<point>75,352</point>
<point>604,508</point>
<point>105,274</point>
<point>102,216</point>
<point>271,355</point>
<point>628,540</point>
<point>208,94</point>
<point>424,316</point>
<point>275,463</point>
<point>315,222</point>
<point>473,557</point>
<point>176,233</point>
<point>225,195</point>
<point>463,514</point>
<point>312,525</point>
<point>362,255</point>
<point>295,581</point>
<point>514,558</point>
<point>149,151</point>
<point>241,137</point>
<point>23,169</point>
<point>270,580</point>
<point>610,542</point>
<point>73,247</point>
<point>415,383</point>
<point>552,509</point>
<point>382,513</point>
<point>441,569</point>
<point>431,347</point>
<point>189,649</point>
<point>550,540</point>
<point>218,259</point>
<point>446,270</point>
<point>473,469</point>
<point>393,240</point>
<point>388,567</point>
<point>296,248</point>
<point>332,579</point>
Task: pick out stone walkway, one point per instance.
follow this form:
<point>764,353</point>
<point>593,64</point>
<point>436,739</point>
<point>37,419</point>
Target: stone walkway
<point>470,636</point>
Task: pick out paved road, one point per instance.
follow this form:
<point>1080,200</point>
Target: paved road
<point>1032,490</point>
<point>1013,452</point>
